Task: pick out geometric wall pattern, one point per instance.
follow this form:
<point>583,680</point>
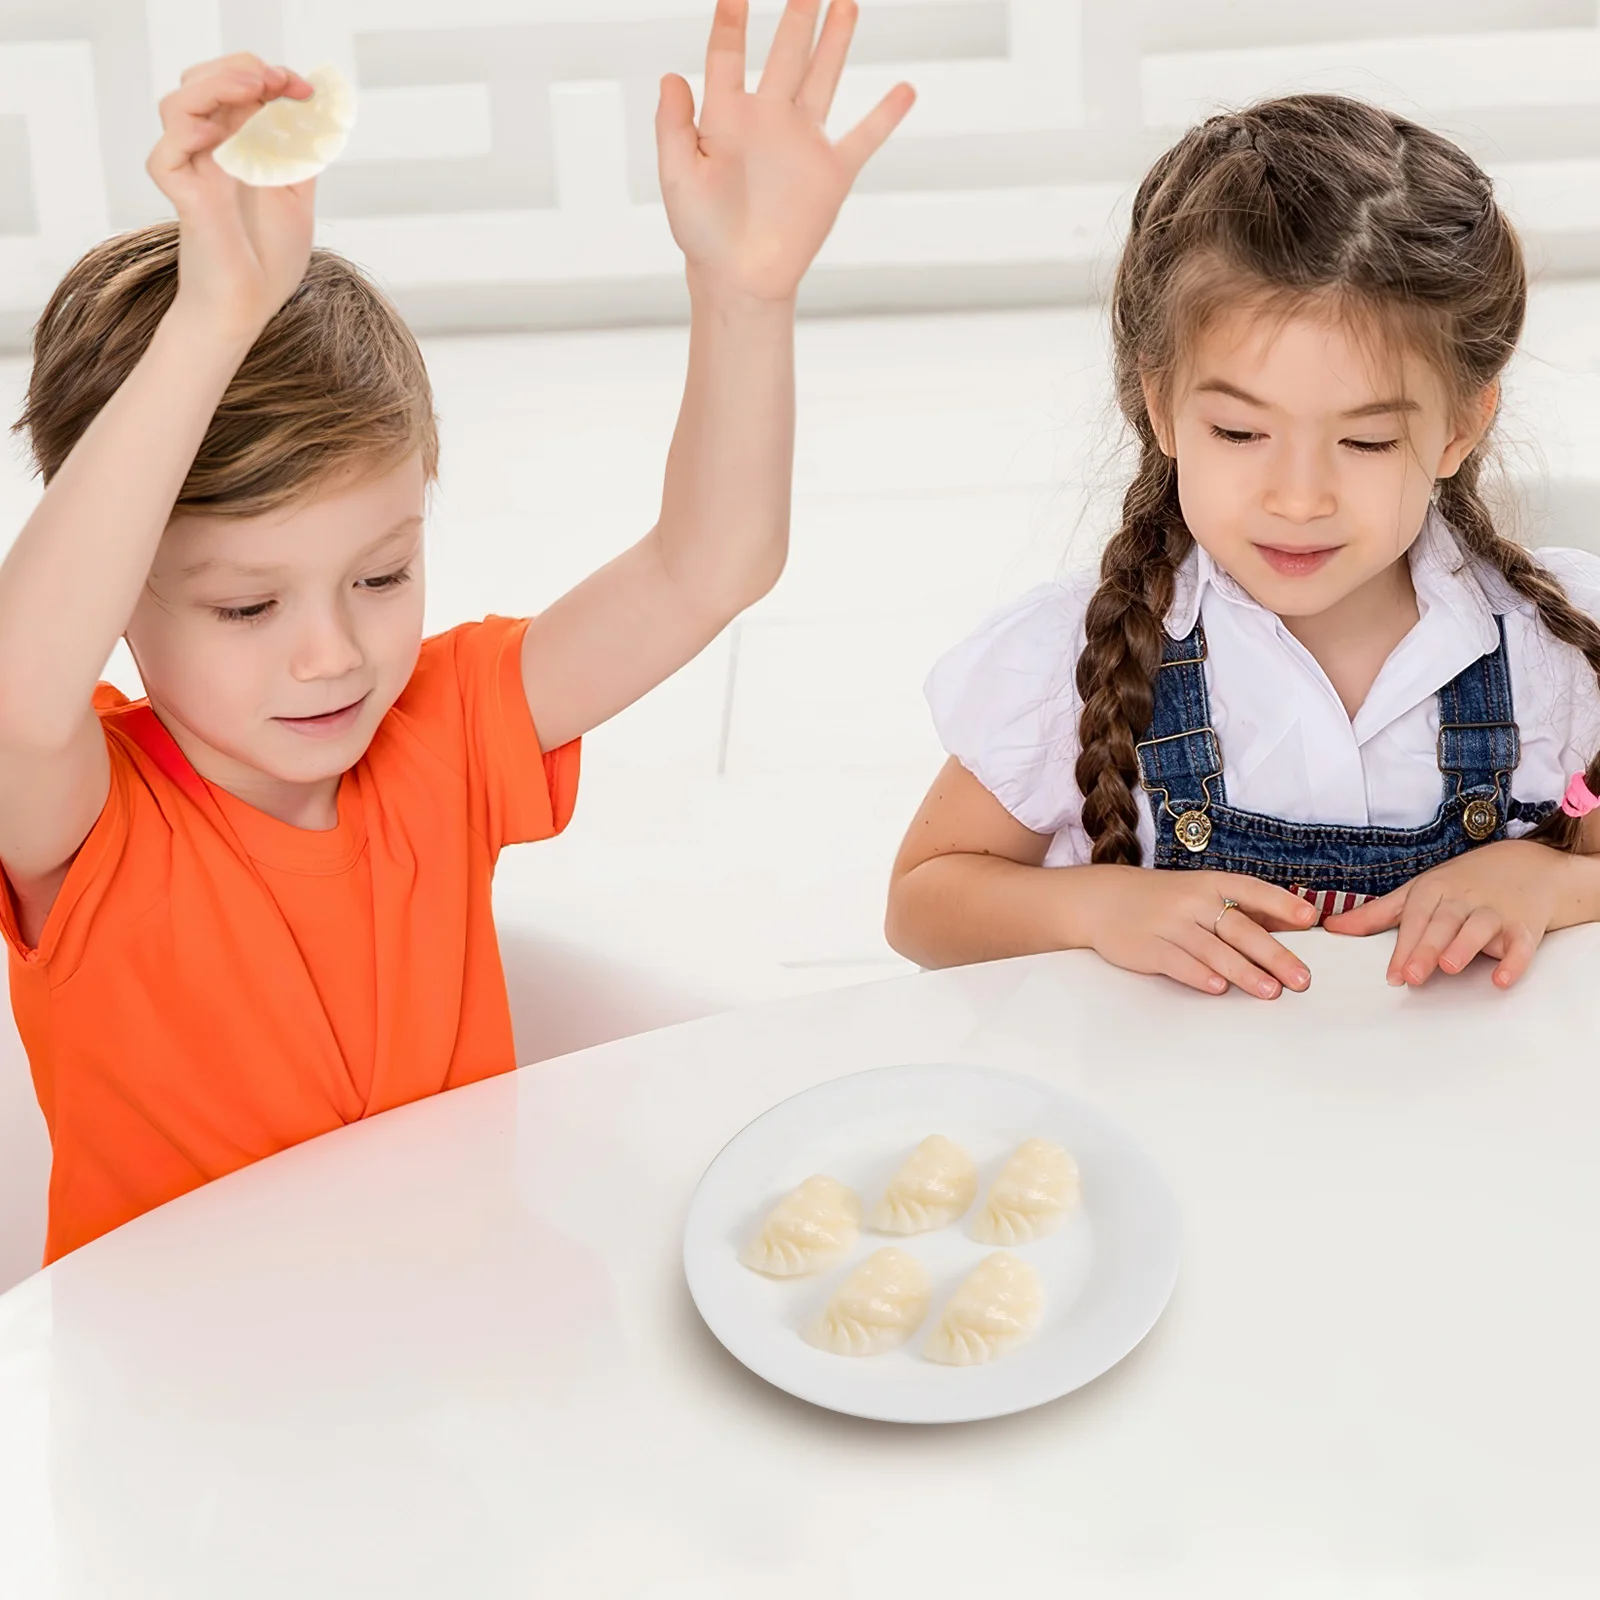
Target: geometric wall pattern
<point>502,171</point>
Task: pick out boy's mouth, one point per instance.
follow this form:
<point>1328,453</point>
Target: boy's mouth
<point>1289,562</point>
<point>329,722</point>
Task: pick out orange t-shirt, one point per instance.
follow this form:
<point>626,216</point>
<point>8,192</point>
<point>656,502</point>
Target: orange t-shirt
<point>213,985</point>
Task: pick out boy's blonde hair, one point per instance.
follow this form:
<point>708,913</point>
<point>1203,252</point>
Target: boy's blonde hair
<point>335,380</point>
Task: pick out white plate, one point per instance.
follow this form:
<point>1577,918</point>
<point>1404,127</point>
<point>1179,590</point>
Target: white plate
<point>1107,1274</point>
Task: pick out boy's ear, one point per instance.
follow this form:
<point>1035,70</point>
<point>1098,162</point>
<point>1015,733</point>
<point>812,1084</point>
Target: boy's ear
<point>1159,420</point>
<point>1476,421</point>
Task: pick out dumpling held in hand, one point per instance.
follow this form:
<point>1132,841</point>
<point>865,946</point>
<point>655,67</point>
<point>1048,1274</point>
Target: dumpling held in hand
<point>1036,1191</point>
<point>935,1185</point>
<point>999,1306</point>
<point>877,1308</point>
<point>806,1231</point>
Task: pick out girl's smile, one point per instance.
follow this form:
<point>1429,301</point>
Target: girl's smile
<point>1289,562</point>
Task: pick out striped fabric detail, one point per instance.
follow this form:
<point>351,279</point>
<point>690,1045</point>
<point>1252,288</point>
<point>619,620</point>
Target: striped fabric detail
<point>1331,902</point>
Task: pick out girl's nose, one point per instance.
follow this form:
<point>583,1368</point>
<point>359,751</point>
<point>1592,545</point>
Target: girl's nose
<point>1300,489</point>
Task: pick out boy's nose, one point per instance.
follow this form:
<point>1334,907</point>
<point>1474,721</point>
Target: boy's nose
<point>326,649</point>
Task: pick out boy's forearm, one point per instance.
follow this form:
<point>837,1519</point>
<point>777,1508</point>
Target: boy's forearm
<point>955,909</point>
<point>70,582</point>
<point>724,528</point>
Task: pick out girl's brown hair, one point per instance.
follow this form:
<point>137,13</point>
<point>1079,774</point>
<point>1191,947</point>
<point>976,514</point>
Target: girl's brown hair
<point>1312,198</point>
<point>334,381</point>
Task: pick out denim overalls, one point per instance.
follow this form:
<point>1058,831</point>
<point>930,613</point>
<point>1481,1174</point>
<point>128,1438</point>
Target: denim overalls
<point>1333,866</point>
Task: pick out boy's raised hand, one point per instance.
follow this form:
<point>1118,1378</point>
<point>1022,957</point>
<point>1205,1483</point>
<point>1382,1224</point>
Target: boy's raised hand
<point>242,251</point>
<point>752,190</point>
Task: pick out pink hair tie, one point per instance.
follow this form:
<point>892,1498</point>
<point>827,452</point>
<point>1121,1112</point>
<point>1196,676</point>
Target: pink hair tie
<point>1580,800</point>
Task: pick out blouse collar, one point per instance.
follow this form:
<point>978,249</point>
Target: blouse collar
<point>1443,573</point>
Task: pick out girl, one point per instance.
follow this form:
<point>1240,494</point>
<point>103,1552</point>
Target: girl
<point>1314,681</point>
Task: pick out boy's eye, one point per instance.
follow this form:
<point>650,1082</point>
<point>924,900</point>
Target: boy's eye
<point>1372,447</point>
<point>390,580</point>
<point>1235,435</point>
<point>250,613</point>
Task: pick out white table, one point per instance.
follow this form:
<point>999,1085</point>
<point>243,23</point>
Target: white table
<point>449,1352</point>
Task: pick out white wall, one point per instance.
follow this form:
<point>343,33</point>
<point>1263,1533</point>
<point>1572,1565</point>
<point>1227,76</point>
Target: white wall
<point>502,173</point>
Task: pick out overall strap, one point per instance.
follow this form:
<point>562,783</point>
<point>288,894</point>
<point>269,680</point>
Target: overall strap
<point>1180,758</point>
<point>1478,743</point>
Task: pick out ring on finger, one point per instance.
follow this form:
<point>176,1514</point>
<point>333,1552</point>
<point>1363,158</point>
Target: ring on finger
<point>1227,906</point>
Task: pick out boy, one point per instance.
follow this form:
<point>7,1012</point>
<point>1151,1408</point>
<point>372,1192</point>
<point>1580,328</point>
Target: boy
<point>257,906</point>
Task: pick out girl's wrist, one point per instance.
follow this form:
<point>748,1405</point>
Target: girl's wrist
<point>1089,901</point>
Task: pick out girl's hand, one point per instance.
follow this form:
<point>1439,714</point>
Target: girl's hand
<point>1499,901</point>
<point>753,190</point>
<point>1182,925</point>
<point>242,251</point>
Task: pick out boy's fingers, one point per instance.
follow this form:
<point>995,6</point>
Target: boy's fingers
<point>790,54</point>
<point>212,106</point>
<point>870,135</point>
<point>240,60</point>
<point>827,65</point>
<point>677,139</point>
<point>725,54</point>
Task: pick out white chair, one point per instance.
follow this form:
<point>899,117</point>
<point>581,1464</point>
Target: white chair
<point>24,1162</point>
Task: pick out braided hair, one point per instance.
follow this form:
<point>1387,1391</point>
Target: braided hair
<point>1310,197</point>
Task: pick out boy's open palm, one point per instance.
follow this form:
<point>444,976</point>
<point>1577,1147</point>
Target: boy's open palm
<point>242,250</point>
<point>752,190</point>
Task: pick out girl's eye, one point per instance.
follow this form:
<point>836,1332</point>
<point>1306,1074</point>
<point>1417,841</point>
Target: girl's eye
<point>1372,447</point>
<point>1235,435</point>
<point>390,580</point>
<point>250,613</point>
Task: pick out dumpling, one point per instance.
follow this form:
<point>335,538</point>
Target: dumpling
<point>877,1308</point>
<point>999,1306</point>
<point>1035,1193</point>
<point>935,1185</point>
<point>806,1231</point>
<point>288,141</point>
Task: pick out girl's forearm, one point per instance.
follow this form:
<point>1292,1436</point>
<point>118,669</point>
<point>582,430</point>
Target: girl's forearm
<point>70,582</point>
<point>724,527</point>
<point>1578,895</point>
<point>952,910</point>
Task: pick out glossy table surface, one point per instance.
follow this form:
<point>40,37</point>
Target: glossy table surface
<point>450,1352</point>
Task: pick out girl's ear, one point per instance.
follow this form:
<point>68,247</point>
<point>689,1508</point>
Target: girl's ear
<point>1476,421</point>
<point>1159,420</point>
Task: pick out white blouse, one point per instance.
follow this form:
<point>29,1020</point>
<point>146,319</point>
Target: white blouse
<point>1006,705</point>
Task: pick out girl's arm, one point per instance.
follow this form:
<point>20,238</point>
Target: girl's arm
<point>73,576</point>
<point>752,192</point>
<point>970,885</point>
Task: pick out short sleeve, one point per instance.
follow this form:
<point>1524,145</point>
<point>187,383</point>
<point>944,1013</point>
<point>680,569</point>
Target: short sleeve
<point>1577,708</point>
<point>518,792</point>
<point>66,929</point>
<point>1006,706</point>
